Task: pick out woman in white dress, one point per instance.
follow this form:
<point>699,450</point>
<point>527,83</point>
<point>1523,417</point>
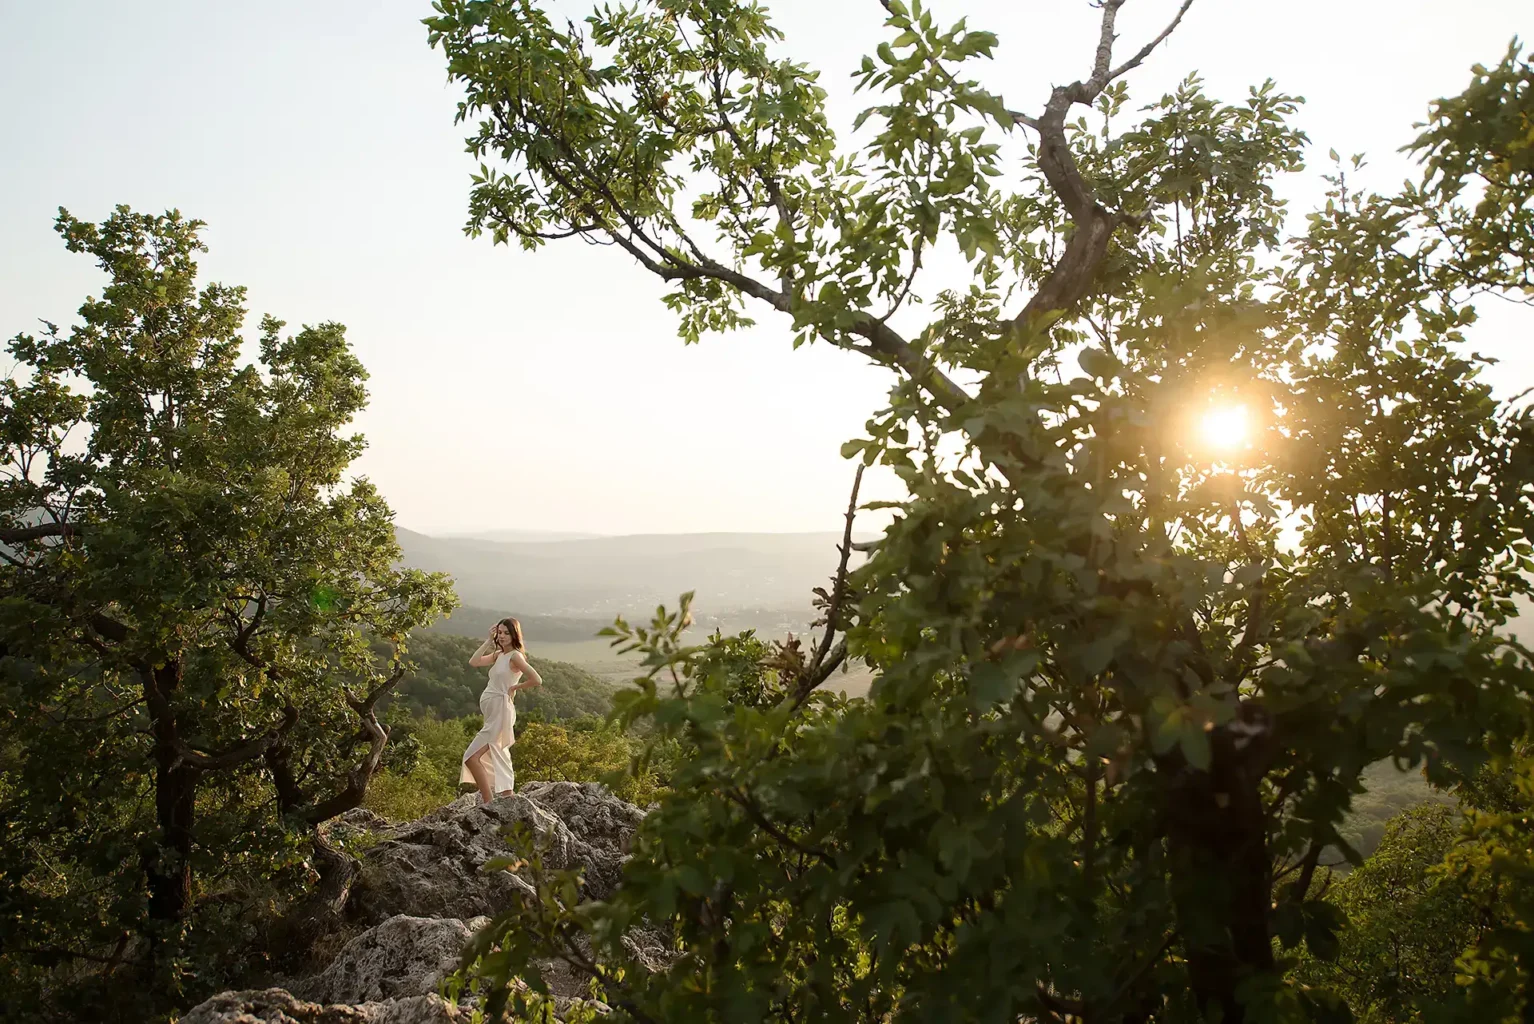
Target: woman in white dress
<point>487,761</point>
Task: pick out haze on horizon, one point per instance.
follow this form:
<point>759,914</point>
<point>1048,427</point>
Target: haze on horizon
<point>548,391</point>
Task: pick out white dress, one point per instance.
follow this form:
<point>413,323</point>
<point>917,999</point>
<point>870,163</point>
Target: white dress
<point>500,714</point>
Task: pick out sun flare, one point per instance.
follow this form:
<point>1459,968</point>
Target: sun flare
<point>1225,427</point>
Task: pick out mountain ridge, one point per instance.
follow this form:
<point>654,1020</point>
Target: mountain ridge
<point>630,574</point>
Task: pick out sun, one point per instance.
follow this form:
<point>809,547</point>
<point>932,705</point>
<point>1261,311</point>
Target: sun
<point>1225,427</point>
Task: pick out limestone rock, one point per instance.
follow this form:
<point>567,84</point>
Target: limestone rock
<point>434,867</point>
<point>423,890</point>
<point>278,1006</point>
<point>404,956</point>
<point>595,816</point>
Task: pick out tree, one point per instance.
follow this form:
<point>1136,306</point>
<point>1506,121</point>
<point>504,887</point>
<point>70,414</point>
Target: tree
<point>1129,676</point>
<point>187,601</point>
<point>1408,922</point>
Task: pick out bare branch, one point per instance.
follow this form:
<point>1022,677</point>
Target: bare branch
<point>839,588</point>
<point>1145,51</point>
<point>105,716</point>
<point>818,671</point>
<point>1072,276</point>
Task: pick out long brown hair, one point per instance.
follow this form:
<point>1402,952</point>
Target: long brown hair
<point>515,629</point>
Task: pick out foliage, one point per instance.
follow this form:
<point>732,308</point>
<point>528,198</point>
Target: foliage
<point>189,600</point>
<point>1387,793</point>
<point>1479,189</point>
<point>1128,680</point>
<point>404,792</point>
<point>583,750</point>
<point>588,750</point>
<point>1408,922</point>
<point>1497,863</point>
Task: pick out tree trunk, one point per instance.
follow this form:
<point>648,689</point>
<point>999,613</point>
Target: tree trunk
<point>320,912</point>
<point>167,862</point>
<point>1221,875</point>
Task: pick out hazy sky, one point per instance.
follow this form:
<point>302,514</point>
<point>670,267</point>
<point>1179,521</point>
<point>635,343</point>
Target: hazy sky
<point>548,390</point>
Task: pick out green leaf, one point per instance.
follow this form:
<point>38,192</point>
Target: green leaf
<point>1098,363</point>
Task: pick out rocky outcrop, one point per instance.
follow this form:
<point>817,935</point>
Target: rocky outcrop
<point>424,887</point>
<point>277,1006</point>
<point>435,867</point>
<point>404,956</point>
<point>597,818</point>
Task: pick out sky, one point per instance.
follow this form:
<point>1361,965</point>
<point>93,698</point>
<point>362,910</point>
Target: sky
<point>548,390</point>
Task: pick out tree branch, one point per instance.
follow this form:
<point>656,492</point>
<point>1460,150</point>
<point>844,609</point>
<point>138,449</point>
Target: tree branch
<point>756,814</point>
<point>839,585</point>
<point>356,787</point>
<point>668,265</point>
<point>239,753</point>
<point>1072,276</point>
<point>813,678</point>
<point>1139,972</point>
<point>1254,607</point>
<point>24,534</point>
<point>1145,51</point>
<point>109,628</point>
<point>883,340</point>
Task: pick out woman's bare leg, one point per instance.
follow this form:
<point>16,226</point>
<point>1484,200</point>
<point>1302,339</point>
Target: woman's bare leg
<point>476,765</point>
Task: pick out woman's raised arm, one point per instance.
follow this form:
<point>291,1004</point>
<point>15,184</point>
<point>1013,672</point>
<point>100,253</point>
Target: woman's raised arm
<point>484,656</point>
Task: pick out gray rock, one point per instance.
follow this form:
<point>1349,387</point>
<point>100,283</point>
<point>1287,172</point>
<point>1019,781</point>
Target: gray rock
<point>424,888</point>
<point>589,809</point>
<point>278,1006</point>
<point>435,867</point>
<point>404,956</point>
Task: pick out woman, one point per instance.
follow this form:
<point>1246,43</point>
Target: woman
<point>487,762</point>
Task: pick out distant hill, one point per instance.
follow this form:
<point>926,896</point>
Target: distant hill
<point>596,578</point>
<point>474,621</point>
<point>519,536</point>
